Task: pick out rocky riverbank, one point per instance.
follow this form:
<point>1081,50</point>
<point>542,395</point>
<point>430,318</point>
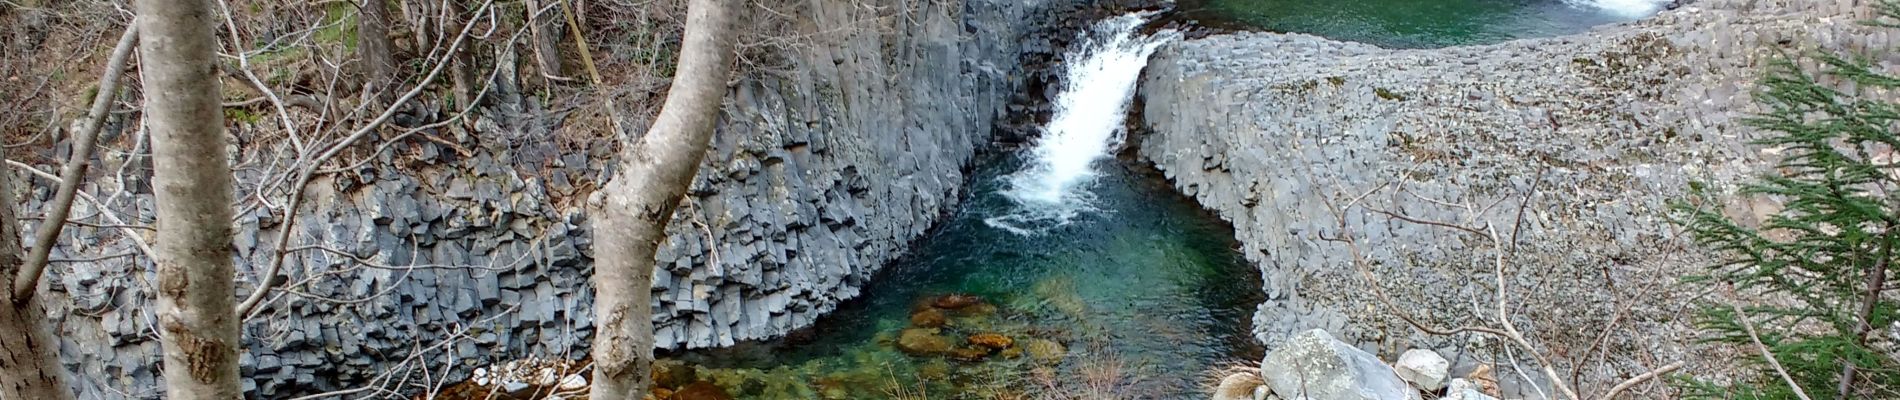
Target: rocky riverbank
<point>1574,145</point>
<point>477,245</point>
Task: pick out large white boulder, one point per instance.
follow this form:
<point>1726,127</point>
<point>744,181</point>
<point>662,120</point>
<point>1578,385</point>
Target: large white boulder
<point>1314,366</point>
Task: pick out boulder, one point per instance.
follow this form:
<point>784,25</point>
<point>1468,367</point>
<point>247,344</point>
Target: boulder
<point>1425,369</point>
<point>1313,365</point>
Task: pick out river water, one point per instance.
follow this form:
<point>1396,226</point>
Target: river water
<point>1420,23</point>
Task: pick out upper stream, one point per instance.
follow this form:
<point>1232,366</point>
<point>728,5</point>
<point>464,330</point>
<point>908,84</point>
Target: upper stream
<point>1420,23</point>
<point>1065,275</point>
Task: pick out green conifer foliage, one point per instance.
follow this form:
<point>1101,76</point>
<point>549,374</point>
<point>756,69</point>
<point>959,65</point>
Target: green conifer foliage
<point>1816,279</point>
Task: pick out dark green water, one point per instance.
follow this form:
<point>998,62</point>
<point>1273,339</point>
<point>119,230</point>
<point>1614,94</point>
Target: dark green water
<point>1142,294</point>
<point>1416,23</point>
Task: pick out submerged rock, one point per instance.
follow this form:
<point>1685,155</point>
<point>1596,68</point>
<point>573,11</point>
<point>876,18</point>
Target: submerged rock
<point>1313,365</point>
<point>701,390</point>
<point>935,370</point>
<point>928,318</point>
<point>923,342</point>
<point>974,313</point>
<point>673,373</point>
<point>991,340</point>
<point>956,301</point>
<point>1425,369</point>
<point>971,353</point>
<point>1045,351</point>
<point>1012,352</point>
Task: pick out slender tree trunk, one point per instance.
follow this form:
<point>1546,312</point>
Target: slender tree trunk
<point>462,73</point>
<point>655,171</point>
<point>545,36</point>
<point>197,322</point>
<point>1876,286</point>
<point>374,48</point>
<point>29,358</point>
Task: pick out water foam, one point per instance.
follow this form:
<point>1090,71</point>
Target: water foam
<point>1631,9</point>
<point>1086,127</point>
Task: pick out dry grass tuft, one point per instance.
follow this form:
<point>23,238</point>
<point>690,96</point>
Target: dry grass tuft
<point>1212,377</point>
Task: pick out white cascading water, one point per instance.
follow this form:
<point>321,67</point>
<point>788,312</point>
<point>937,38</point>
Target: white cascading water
<point>1631,9</point>
<point>1086,127</point>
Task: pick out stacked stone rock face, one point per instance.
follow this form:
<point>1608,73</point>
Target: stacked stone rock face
<point>818,177</point>
<point>1608,126</point>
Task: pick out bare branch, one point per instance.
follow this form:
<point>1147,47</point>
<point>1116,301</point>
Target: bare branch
<point>1632,382</point>
<point>127,229</point>
<point>24,285</point>
<point>1766,354</point>
<point>310,169</point>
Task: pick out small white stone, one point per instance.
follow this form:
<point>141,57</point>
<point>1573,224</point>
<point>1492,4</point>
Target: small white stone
<point>513,387</point>
<point>1425,369</point>
<point>573,382</point>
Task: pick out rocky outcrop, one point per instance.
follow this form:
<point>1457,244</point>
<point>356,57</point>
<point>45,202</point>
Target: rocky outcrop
<point>1280,133</point>
<point>474,247</point>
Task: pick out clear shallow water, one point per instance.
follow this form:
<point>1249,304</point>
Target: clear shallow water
<point>1420,23</point>
<point>1149,284</point>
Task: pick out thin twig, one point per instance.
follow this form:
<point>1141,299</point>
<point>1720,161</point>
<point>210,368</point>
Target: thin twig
<point>26,283</point>
<point>137,239</point>
<point>1639,379</point>
<point>246,309</point>
<point>1766,354</point>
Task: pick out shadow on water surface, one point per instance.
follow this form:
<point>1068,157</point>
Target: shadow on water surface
<point>1145,291</point>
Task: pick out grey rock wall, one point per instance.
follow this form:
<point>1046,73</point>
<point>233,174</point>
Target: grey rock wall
<point>818,177</point>
<point>1277,133</point>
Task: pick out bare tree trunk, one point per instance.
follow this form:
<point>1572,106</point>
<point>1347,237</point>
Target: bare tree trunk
<point>462,72</point>
<point>655,171</point>
<point>374,48</point>
<point>197,322</point>
<point>29,361</point>
<point>545,37</point>
<point>29,358</point>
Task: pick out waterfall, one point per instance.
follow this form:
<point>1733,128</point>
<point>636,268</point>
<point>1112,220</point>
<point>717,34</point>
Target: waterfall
<point>1087,126</point>
<point>1631,9</point>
